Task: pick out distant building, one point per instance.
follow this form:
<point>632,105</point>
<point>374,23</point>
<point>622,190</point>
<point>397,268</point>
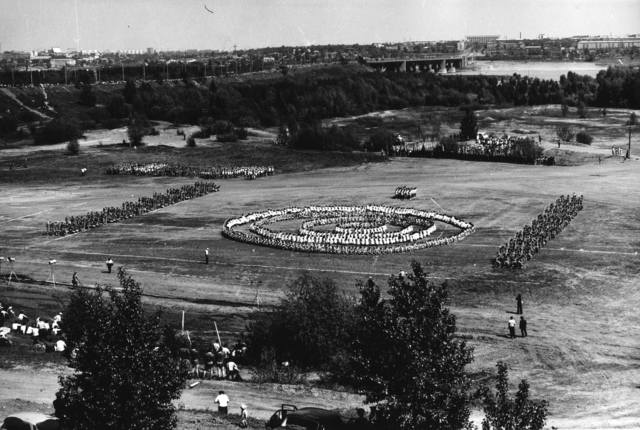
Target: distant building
<point>483,40</point>
<point>59,63</point>
<point>609,43</point>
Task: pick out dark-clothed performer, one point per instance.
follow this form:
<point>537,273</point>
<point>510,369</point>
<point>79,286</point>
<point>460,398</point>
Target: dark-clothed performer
<point>523,327</point>
<point>519,304</point>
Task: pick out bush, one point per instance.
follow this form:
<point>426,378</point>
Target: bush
<point>469,125</point>
<point>56,131</point>
<point>381,140</point>
<point>584,137</point>
<point>565,133</point>
<point>582,110</point>
<point>73,147</point>
<point>191,142</point>
<point>227,137</point>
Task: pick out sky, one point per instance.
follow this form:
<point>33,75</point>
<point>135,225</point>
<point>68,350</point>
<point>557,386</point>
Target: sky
<point>186,24</point>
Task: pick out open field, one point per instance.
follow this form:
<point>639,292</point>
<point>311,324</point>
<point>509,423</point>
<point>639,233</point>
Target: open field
<point>580,292</point>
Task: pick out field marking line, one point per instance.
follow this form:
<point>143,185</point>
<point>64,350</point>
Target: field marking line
<point>262,266</point>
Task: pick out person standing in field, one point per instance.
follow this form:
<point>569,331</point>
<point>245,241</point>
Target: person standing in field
<point>243,416</point>
<point>523,326</point>
<point>223,403</point>
<point>519,304</point>
<point>109,264</point>
<point>206,256</point>
<point>512,327</point>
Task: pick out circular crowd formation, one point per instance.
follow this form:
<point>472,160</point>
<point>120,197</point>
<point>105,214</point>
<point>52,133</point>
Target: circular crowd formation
<point>368,229</point>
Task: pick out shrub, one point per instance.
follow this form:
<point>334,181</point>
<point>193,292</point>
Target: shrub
<point>582,110</point>
<point>565,133</point>
<point>191,142</point>
<point>584,137</point>
<point>381,140</point>
<point>469,125</point>
<point>8,124</point>
<point>564,109</point>
<point>73,147</point>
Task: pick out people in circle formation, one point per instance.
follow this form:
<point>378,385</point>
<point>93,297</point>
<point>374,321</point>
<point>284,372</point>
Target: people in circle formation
<point>404,192</point>
<point>110,214</point>
<point>349,242</point>
<point>170,169</point>
<point>527,242</point>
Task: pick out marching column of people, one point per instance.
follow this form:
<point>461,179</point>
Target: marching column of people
<point>130,209</point>
<point>173,169</point>
<point>404,192</point>
<point>527,242</point>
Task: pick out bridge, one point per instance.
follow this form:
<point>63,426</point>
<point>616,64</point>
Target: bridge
<point>427,63</point>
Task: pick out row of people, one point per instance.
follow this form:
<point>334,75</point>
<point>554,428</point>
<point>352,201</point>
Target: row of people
<point>130,209</point>
<point>527,242</point>
<point>173,169</point>
<point>489,144</point>
<point>404,192</point>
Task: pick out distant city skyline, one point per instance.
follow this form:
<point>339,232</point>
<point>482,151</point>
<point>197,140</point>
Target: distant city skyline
<point>220,24</point>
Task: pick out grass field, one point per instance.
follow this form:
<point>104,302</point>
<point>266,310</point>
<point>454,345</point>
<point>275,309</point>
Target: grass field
<point>580,293</point>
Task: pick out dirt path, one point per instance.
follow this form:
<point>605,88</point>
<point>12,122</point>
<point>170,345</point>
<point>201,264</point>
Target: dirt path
<point>13,97</point>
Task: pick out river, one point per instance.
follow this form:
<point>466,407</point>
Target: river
<point>536,69</point>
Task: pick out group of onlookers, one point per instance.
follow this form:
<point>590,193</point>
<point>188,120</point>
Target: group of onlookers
<point>174,169</point>
<point>217,362</point>
<point>94,219</point>
<point>46,333</point>
<point>528,241</point>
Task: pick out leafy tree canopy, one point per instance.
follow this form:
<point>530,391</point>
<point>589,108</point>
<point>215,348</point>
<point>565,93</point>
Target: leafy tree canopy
<point>126,368</point>
<point>406,357</point>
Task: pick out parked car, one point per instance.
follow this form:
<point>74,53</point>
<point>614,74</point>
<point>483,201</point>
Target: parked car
<point>30,421</point>
<point>289,416</point>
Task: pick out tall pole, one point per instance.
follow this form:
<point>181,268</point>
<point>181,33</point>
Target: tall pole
<point>629,147</point>
<point>144,72</point>
<point>217,333</point>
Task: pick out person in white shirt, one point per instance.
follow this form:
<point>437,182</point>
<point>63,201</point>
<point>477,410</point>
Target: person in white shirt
<point>233,373</point>
<point>61,345</point>
<point>223,403</point>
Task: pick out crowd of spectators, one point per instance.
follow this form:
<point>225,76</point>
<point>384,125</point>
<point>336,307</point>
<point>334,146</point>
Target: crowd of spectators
<point>528,241</point>
<point>172,169</point>
<point>366,236</point>
<point>94,219</point>
<point>404,192</point>
<point>215,361</point>
<point>45,333</point>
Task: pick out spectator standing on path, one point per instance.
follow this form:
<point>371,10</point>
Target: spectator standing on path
<point>223,403</point>
<point>243,416</point>
<point>75,281</point>
<point>109,263</point>
<point>512,327</point>
<point>519,304</point>
<point>206,256</point>
<point>523,326</point>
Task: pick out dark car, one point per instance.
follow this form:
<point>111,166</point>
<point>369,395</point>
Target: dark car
<point>289,416</point>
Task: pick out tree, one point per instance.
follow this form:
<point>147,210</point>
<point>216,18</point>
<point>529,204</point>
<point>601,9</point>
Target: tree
<point>564,109</point>
<point>126,368</point>
<point>406,358</point>
<point>633,119</point>
<point>469,125</point>
<point>136,130</point>
<point>582,110</point>
<point>87,96</point>
<point>73,147</point>
<point>308,328</point>
<point>565,133</point>
<point>503,413</point>
<point>129,91</point>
